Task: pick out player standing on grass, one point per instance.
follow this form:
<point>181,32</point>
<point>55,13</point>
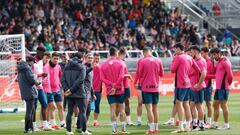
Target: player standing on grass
<point>174,109</point>
<point>208,80</point>
<point>55,73</point>
<point>73,85</point>
<point>97,87</point>
<point>150,70</point>
<point>182,65</point>
<point>197,89</point>
<point>137,84</point>
<point>27,84</point>
<point>46,80</point>
<point>38,71</point>
<point>224,77</point>
<point>112,74</point>
<point>127,91</point>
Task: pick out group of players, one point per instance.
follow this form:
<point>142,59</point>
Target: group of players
<point>82,79</point>
<point>194,71</point>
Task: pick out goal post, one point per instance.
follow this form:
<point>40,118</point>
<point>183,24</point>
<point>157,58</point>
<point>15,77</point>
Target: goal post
<point>12,50</point>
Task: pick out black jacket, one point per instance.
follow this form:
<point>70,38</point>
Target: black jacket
<point>26,81</point>
<point>73,78</point>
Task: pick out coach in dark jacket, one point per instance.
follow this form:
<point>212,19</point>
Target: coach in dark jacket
<point>26,81</point>
<point>73,86</point>
<point>27,85</point>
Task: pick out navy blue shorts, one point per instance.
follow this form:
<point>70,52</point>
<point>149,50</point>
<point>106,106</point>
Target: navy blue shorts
<point>42,97</point>
<point>97,102</point>
<point>182,94</point>
<point>150,97</point>
<point>197,96</point>
<point>49,97</point>
<point>118,99</point>
<point>221,94</point>
<point>54,97</point>
<point>127,93</point>
<point>208,94</point>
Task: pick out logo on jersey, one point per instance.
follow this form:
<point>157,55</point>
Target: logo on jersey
<point>110,62</point>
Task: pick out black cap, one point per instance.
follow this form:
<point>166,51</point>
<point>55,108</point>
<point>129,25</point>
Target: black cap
<point>30,58</point>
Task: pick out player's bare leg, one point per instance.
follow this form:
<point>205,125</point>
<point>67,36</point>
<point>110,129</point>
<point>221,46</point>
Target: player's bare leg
<point>200,115</point>
<point>127,111</point>
<point>180,114</point>
<point>139,108</point>
<point>60,113</point>
<point>194,114</point>
<point>122,115</point>
<point>188,115</point>
<point>113,108</point>
<point>209,111</point>
<point>52,108</point>
<point>155,115</point>
<point>216,105</point>
<point>173,114</point>
<point>150,117</point>
<point>225,110</point>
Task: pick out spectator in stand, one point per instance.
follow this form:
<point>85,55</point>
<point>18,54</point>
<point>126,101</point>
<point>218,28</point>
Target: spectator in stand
<point>69,25</point>
<point>235,49</point>
<point>216,9</point>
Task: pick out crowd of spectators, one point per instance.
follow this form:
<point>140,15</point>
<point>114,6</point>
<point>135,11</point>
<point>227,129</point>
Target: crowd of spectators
<point>62,25</point>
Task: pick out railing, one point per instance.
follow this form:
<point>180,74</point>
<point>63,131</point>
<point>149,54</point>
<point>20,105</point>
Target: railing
<point>199,13</point>
<point>130,53</point>
<point>227,6</point>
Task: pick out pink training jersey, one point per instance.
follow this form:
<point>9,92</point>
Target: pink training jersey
<point>96,78</point>
<point>55,77</point>
<point>112,73</point>
<point>137,79</point>
<point>210,72</point>
<point>125,79</point>
<point>182,65</point>
<point>195,74</point>
<point>223,71</point>
<point>46,80</point>
<point>150,70</point>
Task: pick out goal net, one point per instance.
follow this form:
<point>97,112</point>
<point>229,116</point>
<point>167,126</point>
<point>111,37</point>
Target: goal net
<point>12,50</point>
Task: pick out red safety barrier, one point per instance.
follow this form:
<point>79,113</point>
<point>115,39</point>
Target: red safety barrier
<point>166,87</point>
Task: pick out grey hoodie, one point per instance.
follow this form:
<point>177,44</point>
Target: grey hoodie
<point>26,81</point>
<point>73,78</point>
<point>88,81</point>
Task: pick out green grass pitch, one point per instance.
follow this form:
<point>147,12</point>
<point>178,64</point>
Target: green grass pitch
<point>10,124</point>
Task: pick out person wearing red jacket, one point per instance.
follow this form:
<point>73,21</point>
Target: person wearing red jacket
<point>208,80</point>
<point>224,78</point>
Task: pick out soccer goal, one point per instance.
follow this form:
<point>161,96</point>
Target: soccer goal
<point>12,50</point>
